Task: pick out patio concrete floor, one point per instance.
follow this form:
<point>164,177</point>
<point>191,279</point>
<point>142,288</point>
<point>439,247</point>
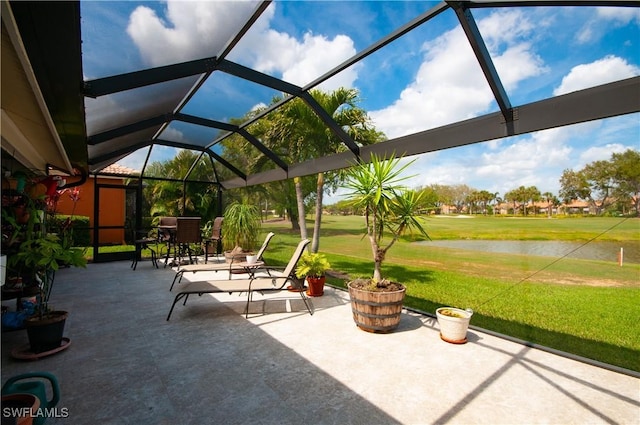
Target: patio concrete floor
<point>209,365</point>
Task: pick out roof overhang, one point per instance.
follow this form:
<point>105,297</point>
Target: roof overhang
<point>42,114</point>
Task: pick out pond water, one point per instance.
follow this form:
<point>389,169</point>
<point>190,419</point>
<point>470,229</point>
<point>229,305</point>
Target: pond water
<point>605,251</point>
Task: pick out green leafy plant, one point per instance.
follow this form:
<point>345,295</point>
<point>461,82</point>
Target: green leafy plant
<point>389,208</point>
<point>241,226</point>
<point>47,252</point>
<point>312,264</point>
<point>207,230</point>
<point>42,256</point>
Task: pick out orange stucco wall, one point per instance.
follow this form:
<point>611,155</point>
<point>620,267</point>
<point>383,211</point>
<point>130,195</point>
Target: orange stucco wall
<point>112,208</point>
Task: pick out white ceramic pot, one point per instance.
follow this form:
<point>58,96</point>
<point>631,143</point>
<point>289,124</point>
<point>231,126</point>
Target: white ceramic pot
<point>252,259</point>
<point>454,323</point>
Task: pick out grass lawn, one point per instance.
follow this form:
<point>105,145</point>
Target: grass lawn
<point>584,307</point>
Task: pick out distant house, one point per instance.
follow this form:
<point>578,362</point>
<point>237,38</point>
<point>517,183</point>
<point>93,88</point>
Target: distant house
<point>576,207</point>
<point>504,208</point>
<point>448,209</point>
<point>112,203</point>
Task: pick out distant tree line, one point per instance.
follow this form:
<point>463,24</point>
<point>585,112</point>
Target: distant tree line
<point>611,186</point>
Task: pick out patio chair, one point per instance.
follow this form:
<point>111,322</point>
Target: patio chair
<point>215,238</point>
<point>262,284</point>
<point>215,267</point>
<point>144,243</point>
<point>167,234</point>
<point>187,233</point>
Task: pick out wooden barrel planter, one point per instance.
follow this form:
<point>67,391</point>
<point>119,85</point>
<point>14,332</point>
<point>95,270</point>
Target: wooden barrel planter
<point>377,312</point>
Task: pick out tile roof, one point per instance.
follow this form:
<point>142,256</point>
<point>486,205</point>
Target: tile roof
<point>119,169</point>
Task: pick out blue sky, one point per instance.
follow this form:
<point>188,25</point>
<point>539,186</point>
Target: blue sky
<point>423,80</point>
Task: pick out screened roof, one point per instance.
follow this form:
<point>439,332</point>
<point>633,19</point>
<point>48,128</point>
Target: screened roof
<point>125,85</point>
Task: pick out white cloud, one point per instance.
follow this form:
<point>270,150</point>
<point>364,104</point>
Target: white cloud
<point>192,30</point>
<point>586,34</point>
<point>518,63</point>
<point>525,161</point>
<point>450,86</point>
<point>596,27</point>
<point>135,160</point>
<point>301,62</point>
<point>296,61</point>
<point>599,153</point>
<point>160,153</point>
<point>622,15</point>
<point>605,70</point>
<point>170,133</point>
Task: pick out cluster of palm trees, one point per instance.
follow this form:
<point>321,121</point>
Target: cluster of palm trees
<point>295,133</point>
<point>166,195</point>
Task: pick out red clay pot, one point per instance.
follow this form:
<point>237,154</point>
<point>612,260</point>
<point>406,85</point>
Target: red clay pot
<point>316,286</point>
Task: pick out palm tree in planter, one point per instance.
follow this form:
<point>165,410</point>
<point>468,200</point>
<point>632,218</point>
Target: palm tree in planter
<point>390,210</point>
<point>240,227</point>
<point>313,266</point>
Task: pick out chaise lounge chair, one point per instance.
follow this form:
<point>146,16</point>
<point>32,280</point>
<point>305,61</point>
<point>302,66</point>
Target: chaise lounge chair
<point>215,267</point>
<point>276,281</point>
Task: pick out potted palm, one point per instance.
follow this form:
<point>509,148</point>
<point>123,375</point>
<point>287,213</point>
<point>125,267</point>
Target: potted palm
<point>240,227</point>
<point>389,211</point>
<point>313,266</point>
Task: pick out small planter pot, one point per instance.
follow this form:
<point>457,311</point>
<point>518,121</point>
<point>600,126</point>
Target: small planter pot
<point>46,334</point>
<point>454,323</point>
<point>252,259</point>
<point>316,286</point>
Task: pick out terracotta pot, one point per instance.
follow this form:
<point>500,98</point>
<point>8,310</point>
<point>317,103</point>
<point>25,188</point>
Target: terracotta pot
<point>376,311</point>
<point>316,286</point>
<point>23,404</point>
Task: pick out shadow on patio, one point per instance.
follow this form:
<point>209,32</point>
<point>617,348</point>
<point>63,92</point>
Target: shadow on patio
<point>127,365</point>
